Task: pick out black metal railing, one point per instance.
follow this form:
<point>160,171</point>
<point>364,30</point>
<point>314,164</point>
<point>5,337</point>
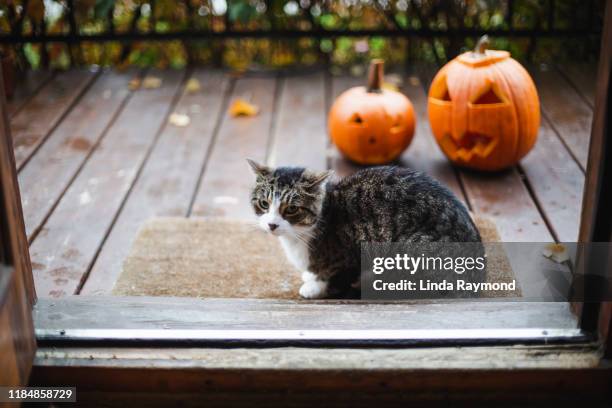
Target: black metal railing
<point>444,26</point>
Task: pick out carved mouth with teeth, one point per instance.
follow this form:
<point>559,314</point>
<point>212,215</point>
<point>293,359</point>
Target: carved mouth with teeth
<point>470,144</point>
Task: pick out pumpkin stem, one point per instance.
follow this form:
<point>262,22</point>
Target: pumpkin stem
<point>482,45</point>
<point>376,75</point>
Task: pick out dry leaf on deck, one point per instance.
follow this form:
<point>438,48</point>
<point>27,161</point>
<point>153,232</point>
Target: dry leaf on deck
<point>394,79</point>
<point>556,252</point>
<point>414,80</point>
<point>151,82</point>
<point>240,107</point>
<point>179,119</point>
<point>390,86</point>
<point>192,86</point>
<point>134,84</point>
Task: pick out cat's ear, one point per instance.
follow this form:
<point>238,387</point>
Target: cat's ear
<point>317,179</point>
<point>259,169</point>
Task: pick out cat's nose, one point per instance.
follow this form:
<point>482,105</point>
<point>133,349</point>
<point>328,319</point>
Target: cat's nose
<point>273,226</point>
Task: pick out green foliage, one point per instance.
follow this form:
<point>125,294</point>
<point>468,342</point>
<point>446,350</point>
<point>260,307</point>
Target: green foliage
<point>241,11</point>
<point>163,16</point>
<point>103,7</point>
<point>33,55</point>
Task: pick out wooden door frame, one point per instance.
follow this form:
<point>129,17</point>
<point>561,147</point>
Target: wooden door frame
<point>17,295</point>
<point>596,218</point>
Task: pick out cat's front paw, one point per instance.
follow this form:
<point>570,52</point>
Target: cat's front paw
<point>314,289</point>
<point>308,276</point>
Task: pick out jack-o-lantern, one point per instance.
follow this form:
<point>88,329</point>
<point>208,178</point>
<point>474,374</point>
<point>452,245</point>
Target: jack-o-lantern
<point>484,109</point>
<point>372,125</point>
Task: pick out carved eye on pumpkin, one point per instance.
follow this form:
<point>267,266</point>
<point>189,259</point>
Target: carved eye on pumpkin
<point>490,95</point>
<point>356,119</point>
<point>439,90</point>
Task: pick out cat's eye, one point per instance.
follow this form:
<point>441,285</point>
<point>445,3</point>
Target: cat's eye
<point>291,209</point>
<point>263,204</point>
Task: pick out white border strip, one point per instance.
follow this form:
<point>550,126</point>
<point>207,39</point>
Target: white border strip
<point>281,335</point>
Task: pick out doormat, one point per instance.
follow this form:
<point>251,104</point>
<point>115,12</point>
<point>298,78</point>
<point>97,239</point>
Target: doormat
<point>217,257</point>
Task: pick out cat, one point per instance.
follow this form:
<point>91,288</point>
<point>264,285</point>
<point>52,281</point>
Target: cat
<point>321,222</point>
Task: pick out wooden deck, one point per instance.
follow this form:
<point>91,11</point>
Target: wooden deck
<point>96,160</point>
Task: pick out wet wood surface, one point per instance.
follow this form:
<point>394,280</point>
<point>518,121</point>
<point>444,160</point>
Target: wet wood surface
<point>569,114</point>
<point>34,122</point>
<point>69,241</point>
<point>28,84</point>
<point>168,179</point>
<point>148,313</point>
<point>225,186</point>
<point>68,147</point>
<point>97,160</point>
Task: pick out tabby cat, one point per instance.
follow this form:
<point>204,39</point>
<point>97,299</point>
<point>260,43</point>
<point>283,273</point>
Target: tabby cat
<point>321,222</point>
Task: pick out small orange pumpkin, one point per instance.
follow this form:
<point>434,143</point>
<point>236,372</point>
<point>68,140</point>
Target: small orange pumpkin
<point>372,125</point>
<point>484,109</point>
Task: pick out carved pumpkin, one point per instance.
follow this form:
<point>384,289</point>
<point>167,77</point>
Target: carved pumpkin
<point>484,109</point>
<point>372,125</point>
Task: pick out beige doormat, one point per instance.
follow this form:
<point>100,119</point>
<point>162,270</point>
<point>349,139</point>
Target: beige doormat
<point>224,258</point>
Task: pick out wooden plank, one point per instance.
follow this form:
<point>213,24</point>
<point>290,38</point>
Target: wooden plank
<point>27,86</point>
<point>504,197</point>
<point>322,359</point>
<point>44,179</point>
<point>582,76</point>
<point>569,115</point>
<point>306,377</point>
<point>168,179</point>
<point>10,374</point>
<point>556,181</point>
<point>227,181</point>
<point>300,137</point>
<point>141,312</point>
<point>42,113</point>
<point>63,251</point>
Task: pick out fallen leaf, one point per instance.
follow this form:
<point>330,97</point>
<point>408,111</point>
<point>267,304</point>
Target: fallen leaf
<point>237,73</point>
<point>151,82</point>
<point>179,119</point>
<point>556,252</point>
<point>394,79</point>
<point>390,87</point>
<point>240,107</point>
<point>192,86</point>
<point>134,84</point>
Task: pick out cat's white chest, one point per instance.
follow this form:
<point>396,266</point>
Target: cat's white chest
<point>296,252</point>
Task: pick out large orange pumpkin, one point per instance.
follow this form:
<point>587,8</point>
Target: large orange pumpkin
<point>372,125</point>
<point>484,109</point>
